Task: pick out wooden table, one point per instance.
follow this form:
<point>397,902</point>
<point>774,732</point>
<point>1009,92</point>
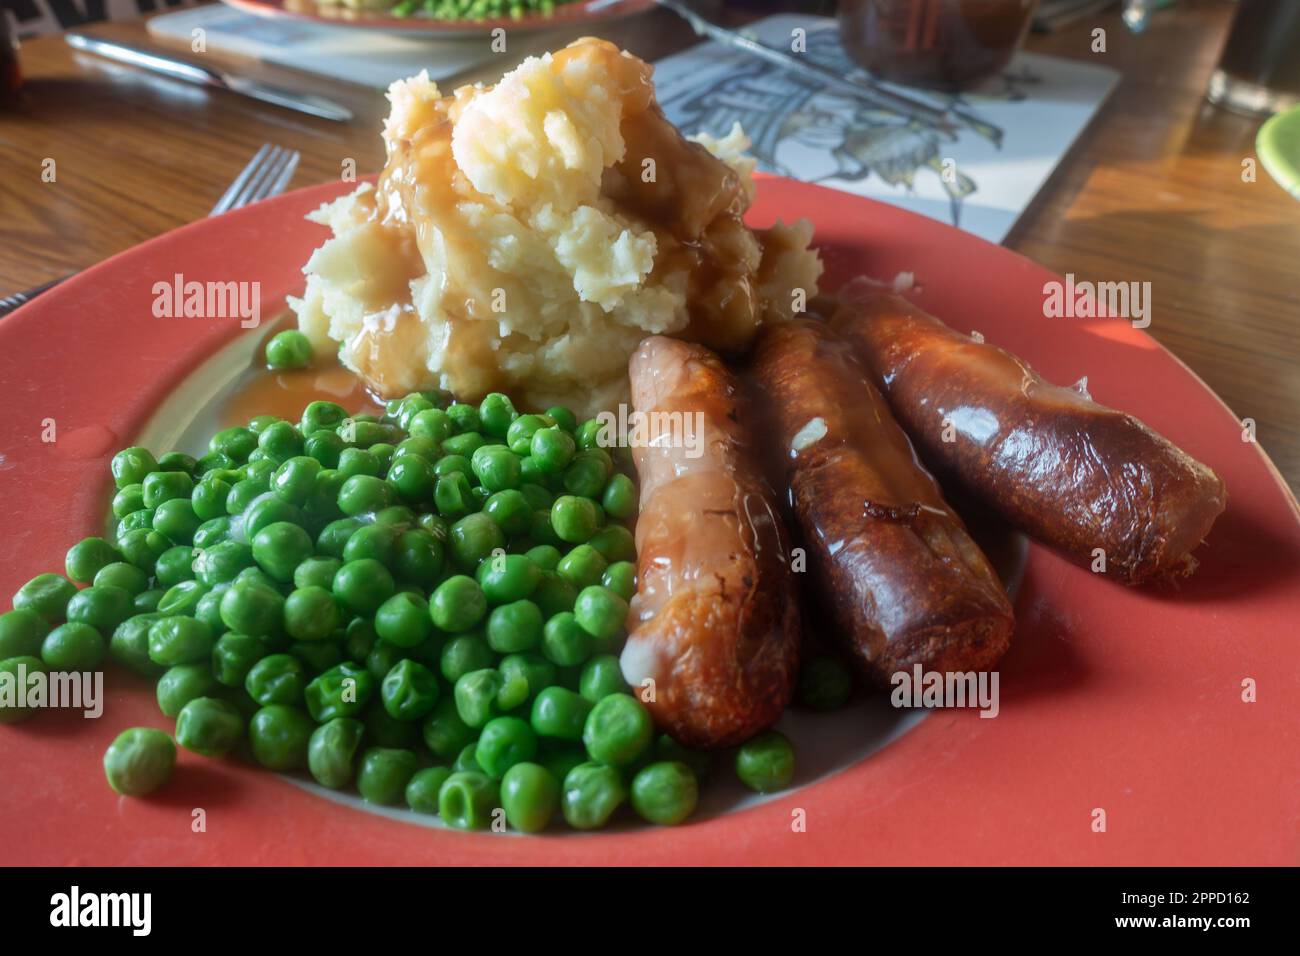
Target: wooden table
<point>1153,192</point>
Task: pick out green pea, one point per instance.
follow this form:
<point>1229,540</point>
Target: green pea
<point>173,566</point>
<point>444,732</point>
<point>473,539</point>
<point>160,487</point>
<point>267,510</point>
<point>457,604</point>
<point>614,542</point>
<point>510,510</point>
<point>582,566</point>
<point>422,791</point>
<point>418,557</point>
<point>139,761</point>
<point>495,414</point>
<point>430,423</point>
<point>279,736</point>
<point>363,585</point>
<point>280,442</point>
<point>311,614</point>
<point>221,563</point>
<point>321,416</point>
<point>180,640</point>
<point>513,627</point>
<point>508,577</point>
<point>361,494</point>
<point>237,442</point>
<point>496,467</point>
<point>276,679</point>
<point>600,612</point>
<point>129,645</point>
<point>177,461</point>
<point>146,602</point>
<point>620,577</point>
<point>135,521</point>
<point>452,496</point>
<point>342,691</point>
<point>530,795</point>
<point>288,349</point>
<point>467,800</point>
<point>209,726</point>
<point>551,449</point>
<point>384,774</point>
<point>565,642</point>
<point>560,714</point>
<point>825,684</point>
<point>602,676</point>
<point>504,742</point>
<point>103,607</point>
<point>243,493</point>
<point>464,444</point>
<point>72,647</point>
<point>618,730</point>
<point>21,633</point>
<point>331,751</point>
<point>234,655</point>
<point>665,793</point>
<point>208,499</point>
<point>316,573</point>
<point>519,436</point>
<point>574,519</point>
<point>476,696</point>
<point>464,654</point>
<point>358,461</point>
<point>295,479</point>
<point>588,472</point>
<point>182,684</point>
<point>48,595</point>
<point>20,669</point>
<point>127,500</point>
<point>532,670</point>
<point>766,763</point>
<point>210,533</point>
<point>334,537</point>
<point>620,497</point>
<point>130,466</point>
<point>545,556</point>
<point>87,557</point>
<point>409,691</point>
<point>590,794</point>
<point>252,608</point>
<point>176,521</point>
<point>413,478</point>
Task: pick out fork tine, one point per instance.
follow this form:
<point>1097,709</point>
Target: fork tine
<point>228,197</point>
<point>282,181</point>
<point>264,174</point>
<point>261,189</point>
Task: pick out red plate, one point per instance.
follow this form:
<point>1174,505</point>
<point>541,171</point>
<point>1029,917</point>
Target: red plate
<point>577,13</point>
<point>1127,701</point>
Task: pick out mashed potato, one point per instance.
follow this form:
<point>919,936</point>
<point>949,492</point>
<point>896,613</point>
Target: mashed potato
<point>525,237</point>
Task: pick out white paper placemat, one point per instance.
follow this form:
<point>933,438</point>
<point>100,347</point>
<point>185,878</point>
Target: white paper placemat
<point>978,179</point>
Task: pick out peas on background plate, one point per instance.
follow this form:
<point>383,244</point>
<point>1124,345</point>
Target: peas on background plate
<point>766,763</point>
<point>288,349</point>
<point>139,761</point>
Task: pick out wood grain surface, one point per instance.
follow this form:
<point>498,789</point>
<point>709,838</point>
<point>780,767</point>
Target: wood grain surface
<point>1153,191</point>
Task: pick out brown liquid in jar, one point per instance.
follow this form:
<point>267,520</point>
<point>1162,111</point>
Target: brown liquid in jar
<point>942,44</point>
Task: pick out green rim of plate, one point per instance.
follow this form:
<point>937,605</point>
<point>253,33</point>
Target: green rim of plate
<point>1278,147</point>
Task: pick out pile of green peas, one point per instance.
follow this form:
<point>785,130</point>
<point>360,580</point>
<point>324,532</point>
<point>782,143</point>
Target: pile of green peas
<point>426,606</point>
<point>475,9</point>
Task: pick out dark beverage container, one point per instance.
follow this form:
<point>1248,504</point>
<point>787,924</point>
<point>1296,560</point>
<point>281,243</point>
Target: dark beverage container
<point>941,44</point>
<point>1259,71</point>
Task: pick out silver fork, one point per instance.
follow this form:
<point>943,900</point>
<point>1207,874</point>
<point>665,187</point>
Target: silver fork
<point>266,175</point>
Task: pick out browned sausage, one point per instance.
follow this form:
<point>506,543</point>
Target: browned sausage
<point>906,583</point>
<point>714,622</point>
<point>1072,473</point>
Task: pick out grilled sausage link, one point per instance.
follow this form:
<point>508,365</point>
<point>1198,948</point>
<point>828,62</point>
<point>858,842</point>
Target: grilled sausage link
<point>906,583</point>
<point>714,622</point>
<point>1074,474</point>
